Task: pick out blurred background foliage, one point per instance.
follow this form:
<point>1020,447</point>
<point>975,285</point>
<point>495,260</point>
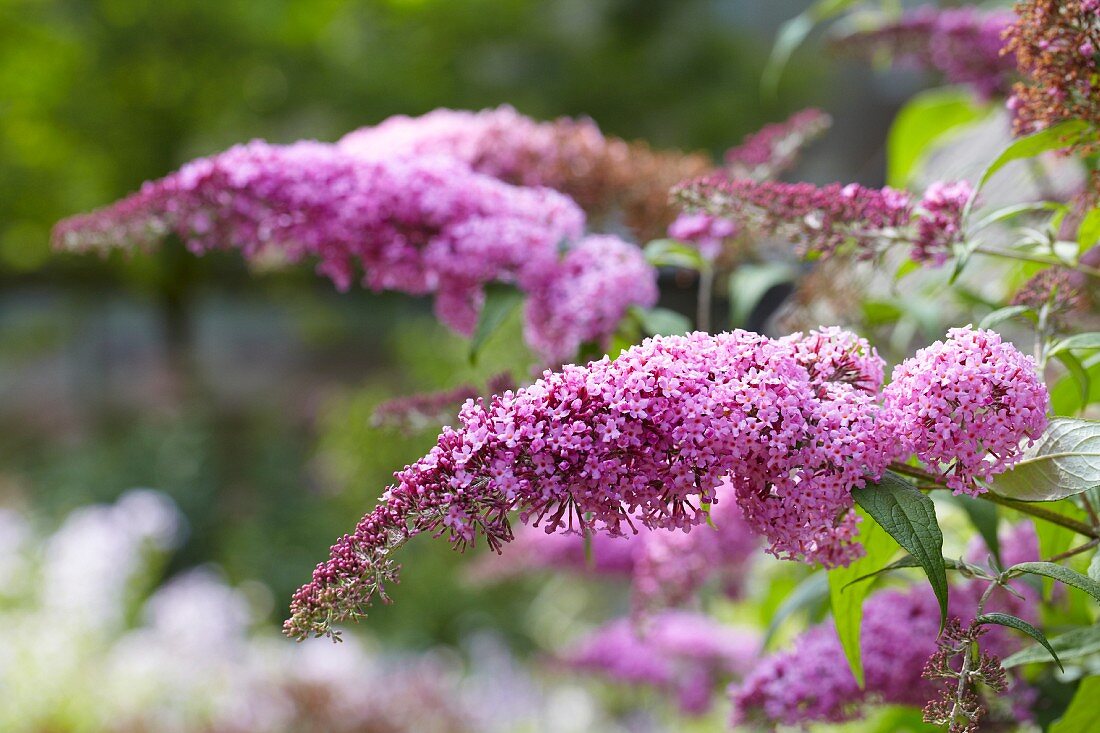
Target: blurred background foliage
<point>248,398</point>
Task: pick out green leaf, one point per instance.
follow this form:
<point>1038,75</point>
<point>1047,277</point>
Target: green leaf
<point>1071,645</point>
<point>1055,137</point>
<point>906,562</point>
<point>926,118</point>
<point>846,599</point>
<point>674,253</point>
<point>791,35</point>
<point>1003,619</point>
<point>1065,394</point>
<point>1060,573</point>
<point>1011,212</point>
<point>983,515</point>
<point>500,301</point>
<point>1077,341</point>
<point>1094,566</point>
<point>910,518</point>
<point>1001,315</point>
<point>808,594</point>
<point>663,322</point>
<point>1065,461</point>
<point>750,283</point>
<point>1078,374</point>
<point>1080,716</point>
<point>1088,233</point>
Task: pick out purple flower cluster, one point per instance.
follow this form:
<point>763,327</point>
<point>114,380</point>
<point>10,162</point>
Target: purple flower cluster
<point>499,142</point>
<point>793,425</point>
<point>940,224</point>
<point>811,681</point>
<point>425,225</point>
<point>821,220</point>
<point>964,404</point>
<point>644,438</point>
<point>775,148</point>
<point>964,45</point>
<point>706,232</point>
<point>681,653</point>
<point>674,565</point>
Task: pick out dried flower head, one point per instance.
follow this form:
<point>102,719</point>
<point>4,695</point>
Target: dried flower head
<point>1056,44</point>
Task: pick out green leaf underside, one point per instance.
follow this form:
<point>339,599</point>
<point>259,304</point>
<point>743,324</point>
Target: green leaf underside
<point>1064,462</point>
<point>1070,645</point>
<point>910,518</point>
<point>1012,622</point>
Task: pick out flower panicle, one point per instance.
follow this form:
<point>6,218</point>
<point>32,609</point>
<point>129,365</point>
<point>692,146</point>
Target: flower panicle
<point>775,148</point>
<point>964,45</point>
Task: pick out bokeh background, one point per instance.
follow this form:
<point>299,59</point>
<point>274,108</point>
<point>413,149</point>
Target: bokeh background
<point>248,399</point>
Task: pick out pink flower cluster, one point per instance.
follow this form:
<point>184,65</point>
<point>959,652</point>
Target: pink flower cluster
<point>821,220</point>
<point>963,44</point>
<point>645,438</point>
<point>500,142</point>
<point>681,653</point>
<point>424,225</point>
<point>775,148</point>
<point>811,681</point>
<point>940,224</point>
<point>706,232</point>
<point>962,401</point>
<point>793,425</point>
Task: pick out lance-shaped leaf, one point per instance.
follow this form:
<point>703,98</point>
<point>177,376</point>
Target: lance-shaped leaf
<point>808,594</point>
<point>1080,716</point>
<point>910,518</point>
<point>1060,573</point>
<point>1012,622</point>
<point>1064,462</point>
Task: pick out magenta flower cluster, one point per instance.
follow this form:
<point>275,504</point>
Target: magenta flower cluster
<point>499,142</point>
<point>963,405</point>
<point>775,148</point>
<point>681,653</point>
<point>423,225</point>
<point>792,424</point>
<point>811,680</point>
<point>822,220</point>
<point>964,45</point>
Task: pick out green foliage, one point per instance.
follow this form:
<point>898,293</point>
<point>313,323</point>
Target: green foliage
<point>1080,717</point>
<point>1060,573</point>
<point>749,283</point>
<point>909,517</point>
<point>925,120</point>
<point>501,301</point>
<point>1064,462</point>
<point>1070,646</point>
<point>1012,622</point>
<point>846,599</point>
